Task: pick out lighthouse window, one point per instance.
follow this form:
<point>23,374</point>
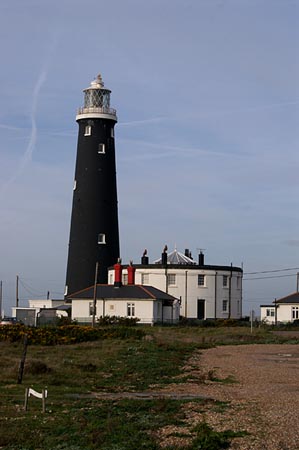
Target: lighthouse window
<point>101,148</point>
<point>101,238</point>
<point>87,130</point>
<point>75,185</point>
<point>112,132</point>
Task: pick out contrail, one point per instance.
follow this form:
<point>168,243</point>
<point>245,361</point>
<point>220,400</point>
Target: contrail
<point>27,155</point>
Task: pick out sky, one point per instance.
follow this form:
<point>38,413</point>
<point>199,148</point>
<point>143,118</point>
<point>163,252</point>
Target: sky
<point>207,97</point>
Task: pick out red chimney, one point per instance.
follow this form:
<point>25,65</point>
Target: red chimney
<point>131,274</point>
<point>117,275</point>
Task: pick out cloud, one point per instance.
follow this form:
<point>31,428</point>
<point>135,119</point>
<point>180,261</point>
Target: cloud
<point>27,155</point>
<point>292,242</point>
<point>142,122</point>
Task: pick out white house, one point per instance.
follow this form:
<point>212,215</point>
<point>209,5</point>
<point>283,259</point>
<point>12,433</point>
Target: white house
<point>147,303</point>
<point>283,310</point>
<point>204,291</point>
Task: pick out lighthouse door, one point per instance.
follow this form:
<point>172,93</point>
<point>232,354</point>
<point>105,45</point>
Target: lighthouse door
<point>201,308</point>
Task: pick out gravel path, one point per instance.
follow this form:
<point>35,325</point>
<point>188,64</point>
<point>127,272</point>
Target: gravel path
<point>263,400</point>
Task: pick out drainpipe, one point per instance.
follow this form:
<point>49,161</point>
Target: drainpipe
<point>186,292</point>
<point>230,293</point>
<point>215,308</point>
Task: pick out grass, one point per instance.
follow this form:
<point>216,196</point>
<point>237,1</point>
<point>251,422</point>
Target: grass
<point>75,422</point>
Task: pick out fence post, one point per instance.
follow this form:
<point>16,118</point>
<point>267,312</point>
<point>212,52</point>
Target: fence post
<point>26,399</point>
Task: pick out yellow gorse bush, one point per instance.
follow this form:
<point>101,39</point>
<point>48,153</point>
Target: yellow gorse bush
<point>67,334</point>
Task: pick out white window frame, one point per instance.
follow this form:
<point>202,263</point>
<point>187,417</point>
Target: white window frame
<point>101,149</point>
<point>91,309</point>
<point>145,278</point>
<point>171,279</point>
<point>225,305</point>
<point>201,277</point>
<point>131,309</point>
<point>295,312</point>
<point>270,312</point>
<point>101,238</point>
<point>87,131</point>
<point>124,278</point>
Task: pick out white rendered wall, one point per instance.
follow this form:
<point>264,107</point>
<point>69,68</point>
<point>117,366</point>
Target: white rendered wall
<point>283,312</point>
<point>213,292</point>
<point>46,303</point>
<point>148,311</point>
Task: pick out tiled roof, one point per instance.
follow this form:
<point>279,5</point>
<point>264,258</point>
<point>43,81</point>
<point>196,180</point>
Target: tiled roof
<point>291,298</point>
<point>109,291</point>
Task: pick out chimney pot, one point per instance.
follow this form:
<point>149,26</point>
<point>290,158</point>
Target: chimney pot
<point>117,275</point>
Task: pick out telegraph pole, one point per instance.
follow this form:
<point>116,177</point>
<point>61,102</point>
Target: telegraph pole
<point>1,298</point>
<point>17,291</point>
<point>94,305</point>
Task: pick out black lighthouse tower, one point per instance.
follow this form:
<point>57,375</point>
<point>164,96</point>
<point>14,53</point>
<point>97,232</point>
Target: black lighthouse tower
<point>94,235</point>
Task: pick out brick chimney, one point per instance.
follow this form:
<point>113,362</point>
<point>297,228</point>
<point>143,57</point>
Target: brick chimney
<point>118,274</point>
<point>131,274</point>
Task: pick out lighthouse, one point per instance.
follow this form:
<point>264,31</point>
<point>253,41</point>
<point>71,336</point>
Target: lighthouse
<point>94,235</point>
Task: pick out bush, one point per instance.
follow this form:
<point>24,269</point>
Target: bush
<point>116,320</point>
<point>68,334</point>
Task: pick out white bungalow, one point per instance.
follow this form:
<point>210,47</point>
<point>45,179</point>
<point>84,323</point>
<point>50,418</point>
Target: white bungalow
<point>147,303</point>
<point>283,310</point>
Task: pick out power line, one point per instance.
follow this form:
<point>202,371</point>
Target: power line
<point>271,271</point>
<point>266,278</point>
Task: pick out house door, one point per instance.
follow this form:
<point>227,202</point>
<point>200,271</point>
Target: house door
<point>201,308</point>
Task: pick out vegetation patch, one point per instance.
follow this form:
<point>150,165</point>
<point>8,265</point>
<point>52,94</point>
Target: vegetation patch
<point>68,334</point>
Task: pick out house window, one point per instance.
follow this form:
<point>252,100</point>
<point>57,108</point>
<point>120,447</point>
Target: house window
<point>125,278</point>
<point>101,148</point>
<point>201,280</point>
<point>224,305</point>
<point>91,309</point>
<point>171,279</point>
<point>130,309</point>
<point>101,238</point>
<point>87,131</point>
<point>110,278</point>
<point>295,312</point>
<point>144,278</point>
<point>111,307</point>
<point>270,312</point>
<point>225,278</point>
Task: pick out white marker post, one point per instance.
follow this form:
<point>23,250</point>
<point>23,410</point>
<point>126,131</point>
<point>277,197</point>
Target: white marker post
<point>43,395</point>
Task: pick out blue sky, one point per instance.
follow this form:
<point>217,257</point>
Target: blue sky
<point>207,97</point>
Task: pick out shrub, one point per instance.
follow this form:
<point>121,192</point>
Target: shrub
<point>116,320</point>
<point>68,334</point>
